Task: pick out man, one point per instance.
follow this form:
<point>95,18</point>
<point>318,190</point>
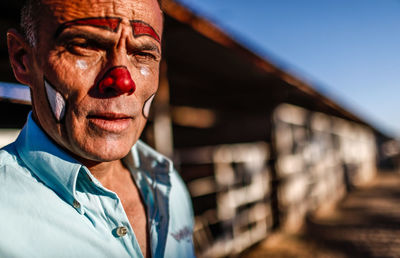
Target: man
<point>77,182</point>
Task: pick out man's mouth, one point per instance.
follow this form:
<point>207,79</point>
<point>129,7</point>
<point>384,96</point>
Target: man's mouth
<point>111,122</point>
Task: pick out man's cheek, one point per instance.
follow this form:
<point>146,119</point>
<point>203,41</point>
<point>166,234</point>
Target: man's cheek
<point>146,75</point>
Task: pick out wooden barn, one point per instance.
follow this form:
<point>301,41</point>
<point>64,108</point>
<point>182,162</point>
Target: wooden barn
<point>257,147</point>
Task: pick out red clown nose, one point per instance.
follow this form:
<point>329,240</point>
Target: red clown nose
<point>118,79</point>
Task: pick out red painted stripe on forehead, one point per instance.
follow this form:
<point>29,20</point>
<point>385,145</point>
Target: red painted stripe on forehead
<point>108,23</point>
<point>141,29</point>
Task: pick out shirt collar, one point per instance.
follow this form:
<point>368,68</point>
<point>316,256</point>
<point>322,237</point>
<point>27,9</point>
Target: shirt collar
<point>52,165</point>
<point>145,158</point>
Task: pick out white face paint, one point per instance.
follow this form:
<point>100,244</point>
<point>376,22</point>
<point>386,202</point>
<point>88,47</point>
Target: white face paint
<point>145,71</point>
<point>56,100</point>
<point>81,64</point>
<point>147,105</point>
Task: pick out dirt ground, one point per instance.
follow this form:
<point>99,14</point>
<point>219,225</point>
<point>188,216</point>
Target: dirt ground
<point>365,224</point>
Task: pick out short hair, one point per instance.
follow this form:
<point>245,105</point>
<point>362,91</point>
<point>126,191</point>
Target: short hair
<point>29,22</point>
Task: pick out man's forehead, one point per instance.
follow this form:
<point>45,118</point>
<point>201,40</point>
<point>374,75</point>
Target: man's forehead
<point>147,11</point>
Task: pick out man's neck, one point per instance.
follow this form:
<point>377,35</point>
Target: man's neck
<point>105,172</point>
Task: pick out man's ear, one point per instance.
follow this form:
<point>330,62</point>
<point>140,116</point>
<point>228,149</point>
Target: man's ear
<point>19,52</point>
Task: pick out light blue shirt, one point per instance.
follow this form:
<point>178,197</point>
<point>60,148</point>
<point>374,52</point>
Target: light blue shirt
<point>52,206</point>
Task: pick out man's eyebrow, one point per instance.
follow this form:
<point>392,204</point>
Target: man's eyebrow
<point>107,23</point>
<point>102,41</point>
<point>140,28</point>
<point>85,35</point>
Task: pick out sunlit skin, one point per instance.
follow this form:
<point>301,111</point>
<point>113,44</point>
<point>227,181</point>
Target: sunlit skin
<point>99,127</point>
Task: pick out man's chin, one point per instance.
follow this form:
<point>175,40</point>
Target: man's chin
<point>102,153</point>
<point>94,159</point>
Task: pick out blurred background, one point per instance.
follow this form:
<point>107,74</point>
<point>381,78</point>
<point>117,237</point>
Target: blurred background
<point>274,112</point>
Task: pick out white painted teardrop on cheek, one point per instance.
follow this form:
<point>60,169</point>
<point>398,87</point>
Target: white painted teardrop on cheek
<point>145,71</point>
<point>81,64</point>
<point>147,105</point>
<point>56,100</point>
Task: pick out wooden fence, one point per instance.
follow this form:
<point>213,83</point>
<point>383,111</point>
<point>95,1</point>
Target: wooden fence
<point>318,158</point>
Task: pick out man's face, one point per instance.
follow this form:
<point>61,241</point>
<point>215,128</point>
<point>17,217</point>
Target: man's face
<point>102,57</point>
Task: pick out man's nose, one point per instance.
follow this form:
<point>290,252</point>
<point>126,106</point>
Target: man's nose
<point>117,81</point>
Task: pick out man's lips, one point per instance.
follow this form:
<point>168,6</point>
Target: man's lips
<point>111,122</point>
<point>109,116</point>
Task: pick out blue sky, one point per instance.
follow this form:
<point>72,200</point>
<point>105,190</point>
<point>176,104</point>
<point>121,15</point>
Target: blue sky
<point>347,49</point>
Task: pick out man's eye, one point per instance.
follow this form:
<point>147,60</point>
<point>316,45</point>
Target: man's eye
<point>144,55</point>
<point>79,48</point>
<point>82,45</point>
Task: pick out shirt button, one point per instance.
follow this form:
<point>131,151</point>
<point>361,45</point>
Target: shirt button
<point>121,231</point>
<point>76,204</point>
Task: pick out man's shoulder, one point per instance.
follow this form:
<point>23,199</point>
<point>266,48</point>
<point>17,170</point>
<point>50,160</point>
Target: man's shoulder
<point>180,211</point>
<point>11,165</point>
<point>8,156</point>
